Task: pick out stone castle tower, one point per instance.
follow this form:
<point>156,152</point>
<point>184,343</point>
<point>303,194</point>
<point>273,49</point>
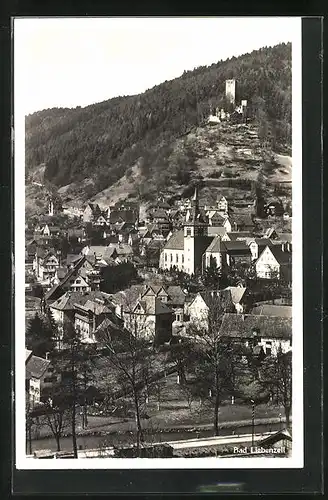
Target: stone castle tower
<point>231,91</point>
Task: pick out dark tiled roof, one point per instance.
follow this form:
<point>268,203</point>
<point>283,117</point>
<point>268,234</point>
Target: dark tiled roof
<point>263,242</point>
<point>69,299</point>
<point>242,326</point>
<point>281,256</point>
<point>273,310</point>
<point>212,298</point>
<point>55,290</point>
<point>285,237</point>
<point>236,235</point>
<point>155,306</point>
<point>236,246</point>
<point>176,295</point>
<point>176,242</point>
<point>72,258</point>
<point>36,367</point>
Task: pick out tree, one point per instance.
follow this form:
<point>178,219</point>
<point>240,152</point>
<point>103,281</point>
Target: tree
<point>40,336</point>
<point>212,365</point>
<point>29,422</point>
<point>211,276</point>
<point>118,277</point>
<point>276,375</point>
<point>56,417</point>
<point>74,365</point>
<point>132,358</point>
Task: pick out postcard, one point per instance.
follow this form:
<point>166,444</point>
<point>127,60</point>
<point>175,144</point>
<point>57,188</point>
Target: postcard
<point>158,243</point>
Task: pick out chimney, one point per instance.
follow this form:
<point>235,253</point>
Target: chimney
<point>47,355</point>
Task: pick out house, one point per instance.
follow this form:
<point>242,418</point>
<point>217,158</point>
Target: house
<point>100,220</point>
<point>271,233</point>
<point>49,230</point>
<point>274,208</point>
<point>121,214</point>
<point>120,252</point>
<point>151,318</point>
<point>38,376</point>
<point>89,316</point>
<point>280,439</point>
<point>242,222</point>
<point>176,299</point>
<point>222,204</point>
<point>199,307</point>
<point>78,234</point>
<point>274,262</point>
<point>30,250</point>
<point>83,276</point>
<point>91,212</point>
<point>236,252</point>
<point>148,309</point>
<point>64,309</point>
<point>269,332</point>
<point>215,218</point>
<point>237,296</point>
<point>45,264</point>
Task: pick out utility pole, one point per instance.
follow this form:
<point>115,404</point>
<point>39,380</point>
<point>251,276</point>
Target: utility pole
<point>253,419</point>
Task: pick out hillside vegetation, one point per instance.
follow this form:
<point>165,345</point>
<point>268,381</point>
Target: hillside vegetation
<point>119,145</point>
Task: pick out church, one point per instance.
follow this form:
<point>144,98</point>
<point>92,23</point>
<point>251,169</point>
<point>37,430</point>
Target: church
<point>186,248</point>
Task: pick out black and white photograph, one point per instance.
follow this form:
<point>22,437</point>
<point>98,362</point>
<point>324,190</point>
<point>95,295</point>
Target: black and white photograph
<point>158,242</point>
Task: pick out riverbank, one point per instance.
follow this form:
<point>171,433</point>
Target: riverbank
<point>102,439</point>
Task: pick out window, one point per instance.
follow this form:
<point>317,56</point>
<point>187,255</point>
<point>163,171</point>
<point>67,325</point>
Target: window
<point>78,281</point>
<point>177,317</point>
<point>182,259</point>
<point>188,232</point>
<point>176,258</point>
<point>171,257</point>
<point>165,257</point>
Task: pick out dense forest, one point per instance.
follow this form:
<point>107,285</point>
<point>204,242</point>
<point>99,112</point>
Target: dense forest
<point>103,141</point>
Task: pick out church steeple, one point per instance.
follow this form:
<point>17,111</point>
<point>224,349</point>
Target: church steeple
<point>195,206</point>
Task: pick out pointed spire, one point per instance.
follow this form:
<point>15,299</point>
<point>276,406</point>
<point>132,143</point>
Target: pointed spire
<point>195,197</point>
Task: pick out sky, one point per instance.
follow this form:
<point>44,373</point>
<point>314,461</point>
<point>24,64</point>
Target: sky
<point>69,62</point>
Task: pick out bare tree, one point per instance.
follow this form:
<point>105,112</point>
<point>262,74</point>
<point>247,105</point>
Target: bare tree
<point>29,422</point>
<point>73,363</point>
<point>56,418</point>
<point>212,367</point>
<point>276,374</point>
<point>129,357</point>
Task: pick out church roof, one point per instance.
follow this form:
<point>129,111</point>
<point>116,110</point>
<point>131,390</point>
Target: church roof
<point>215,246</point>
<point>176,242</point>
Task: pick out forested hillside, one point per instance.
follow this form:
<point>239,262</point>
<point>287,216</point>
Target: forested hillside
<point>104,141</point>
